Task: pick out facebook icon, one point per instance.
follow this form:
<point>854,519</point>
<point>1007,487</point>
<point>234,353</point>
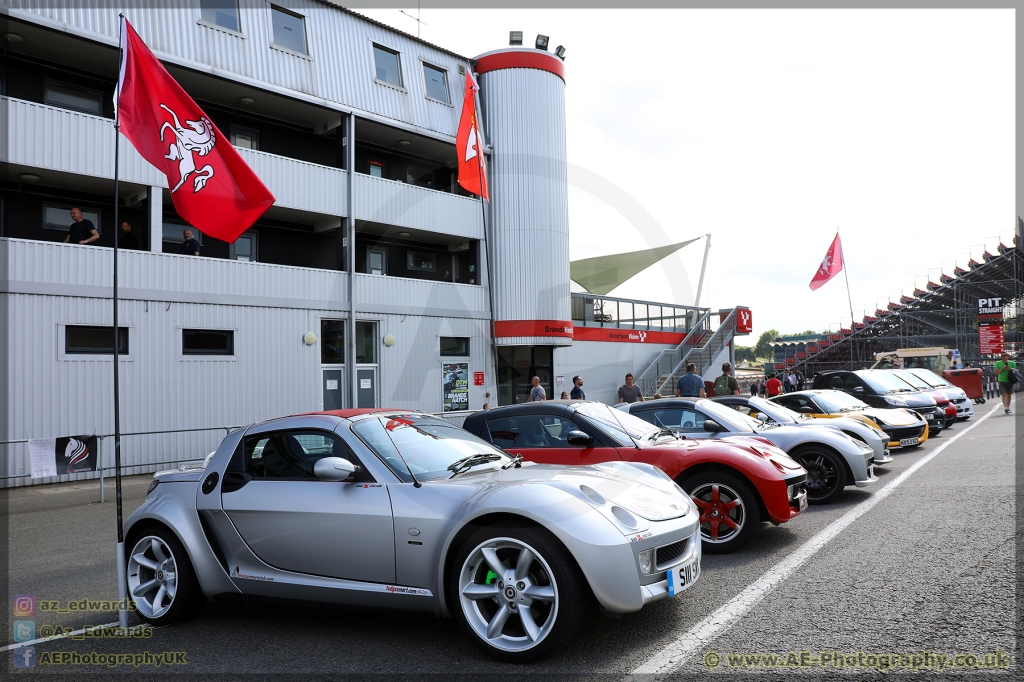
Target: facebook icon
<point>25,657</point>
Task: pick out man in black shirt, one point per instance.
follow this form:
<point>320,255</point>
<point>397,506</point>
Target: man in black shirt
<point>189,247</point>
<point>82,231</point>
<point>128,239</point>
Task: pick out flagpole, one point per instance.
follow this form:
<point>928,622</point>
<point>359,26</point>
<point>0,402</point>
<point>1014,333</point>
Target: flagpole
<point>853,329</point>
<point>122,578</point>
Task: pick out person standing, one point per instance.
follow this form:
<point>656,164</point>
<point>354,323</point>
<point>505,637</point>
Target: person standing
<point>690,385</point>
<point>630,392</point>
<point>577,388</point>
<point>127,240</point>
<point>792,381</point>
<point>773,386</point>
<point>800,381</point>
<point>82,231</point>
<point>1004,375</point>
<point>537,393</point>
<point>726,384</point>
<point>189,247</point>
<point>786,386</point>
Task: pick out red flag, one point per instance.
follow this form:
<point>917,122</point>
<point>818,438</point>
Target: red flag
<point>831,264</point>
<point>211,185</point>
<point>472,174</point>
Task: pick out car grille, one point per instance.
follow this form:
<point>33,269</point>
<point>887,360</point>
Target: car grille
<point>927,413</point>
<point>906,432</point>
<point>958,401</point>
<point>669,553</point>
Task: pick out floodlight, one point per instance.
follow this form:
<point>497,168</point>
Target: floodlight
<point>560,52</point>
<point>542,42</point>
<point>515,37</point>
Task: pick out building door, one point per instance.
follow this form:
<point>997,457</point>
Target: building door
<point>367,377</point>
<point>517,365</point>
<point>333,392</point>
<point>376,261</point>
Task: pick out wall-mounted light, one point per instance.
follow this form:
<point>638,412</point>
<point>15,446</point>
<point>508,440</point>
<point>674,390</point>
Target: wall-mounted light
<point>404,143</point>
<point>389,340</point>
<point>515,37</point>
<point>29,177</point>
<point>560,52</point>
<point>309,338</point>
<point>247,101</point>
<point>542,42</point>
<point>403,235</point>
<point>13,38</point>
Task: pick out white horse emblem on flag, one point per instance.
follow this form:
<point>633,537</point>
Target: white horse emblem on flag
<point>197,138</point>
<point>826,265</point>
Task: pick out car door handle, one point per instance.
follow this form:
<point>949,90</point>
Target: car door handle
<point>234,480</point>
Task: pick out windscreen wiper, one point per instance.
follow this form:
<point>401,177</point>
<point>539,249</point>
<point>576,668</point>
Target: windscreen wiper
<point>467,463</point>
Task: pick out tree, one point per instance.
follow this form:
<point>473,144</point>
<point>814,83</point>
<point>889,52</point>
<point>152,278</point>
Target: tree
<point>745,353</point>
<point>763,348</point>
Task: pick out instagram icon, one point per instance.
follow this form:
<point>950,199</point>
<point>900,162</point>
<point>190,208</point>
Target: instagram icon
<point>24,605</point>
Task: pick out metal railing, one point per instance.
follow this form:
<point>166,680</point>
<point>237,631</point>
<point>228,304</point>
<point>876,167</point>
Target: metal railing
<point>704,354</point>
<point>99,454</point>
<point>650,380</point>
<point>622,313</point>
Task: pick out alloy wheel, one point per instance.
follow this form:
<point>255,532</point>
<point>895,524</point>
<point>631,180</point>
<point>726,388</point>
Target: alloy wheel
<point>152,576</point>
<point>722,512</point>
<point>508,594</point>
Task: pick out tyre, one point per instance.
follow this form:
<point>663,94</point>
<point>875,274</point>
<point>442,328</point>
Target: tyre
<point>161,580</point>
<point>826,475</point>
<point>728,510</point>
<point>518,592</point>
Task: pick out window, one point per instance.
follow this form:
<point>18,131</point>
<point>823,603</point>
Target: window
<point>292,455</point>
<point>377,168</point>
<point>67,96</point>
<point>223,13</point>
<point>376,260</point>
<point>675,418</point>
<point>58,217</point>
<point>246,138</point>
<point>437,83</point>
<point>244,247</point>
<point>83,340</point>
<point>332,342</point>
<point>531,431</point>
<point>454,345</point>
<point>175,232</point>
<point>386,65</point>
<point>366,342</point>
<point>417,260</point>
<point>207,342</point>
<point>421,177</point>
<point>289,30</point>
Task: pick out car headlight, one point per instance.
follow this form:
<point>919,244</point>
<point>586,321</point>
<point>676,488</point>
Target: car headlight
<point>647,561</point>
<point>153,485</point>
<point>898,402</point>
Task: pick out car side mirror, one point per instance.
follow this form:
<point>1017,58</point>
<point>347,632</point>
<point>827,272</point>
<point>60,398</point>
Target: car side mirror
<point>580,438</point>
<point>711,426</point>
<point>857,389</point>
<point>806,410</point>
<point>334,469</point>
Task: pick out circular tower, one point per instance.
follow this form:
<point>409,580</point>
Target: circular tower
<point>522,95</point>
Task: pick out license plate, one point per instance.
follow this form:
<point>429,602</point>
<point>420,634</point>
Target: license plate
<point>909,441</point>
<point>681,577</point>
<point>803,502</point>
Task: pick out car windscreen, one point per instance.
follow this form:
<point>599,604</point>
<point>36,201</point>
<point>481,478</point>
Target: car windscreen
<point>428,445</point>
<point>931,378</point>
<point>837,401</point>
<point>912,379</point>
<point>619,426</point>
<point>728,417</point>
<point>778,413</point>
<point>882,381</point>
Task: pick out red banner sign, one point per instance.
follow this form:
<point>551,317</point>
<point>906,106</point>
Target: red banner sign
<point>615,335</point>
<point>506,328</point>
<point>991,337</point>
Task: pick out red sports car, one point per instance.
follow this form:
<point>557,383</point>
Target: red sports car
<point>735,482</point>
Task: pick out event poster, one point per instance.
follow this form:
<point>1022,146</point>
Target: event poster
<point>59,456</point>
<point>455,391</point>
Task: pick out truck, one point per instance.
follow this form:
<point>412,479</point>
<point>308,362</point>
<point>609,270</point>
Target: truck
<point>935,359</point>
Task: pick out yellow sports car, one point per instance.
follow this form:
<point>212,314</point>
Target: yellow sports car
<point>905,428</point>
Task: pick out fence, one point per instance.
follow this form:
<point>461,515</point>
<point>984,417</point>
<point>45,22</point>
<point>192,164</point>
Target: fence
<point>99,456</point>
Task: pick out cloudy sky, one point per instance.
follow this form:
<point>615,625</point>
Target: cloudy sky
<point>770,129</point>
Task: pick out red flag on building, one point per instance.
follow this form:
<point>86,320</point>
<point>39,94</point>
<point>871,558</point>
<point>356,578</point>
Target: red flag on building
<point>212,187</point>
<point>831,264</point>
<point>472,173</point>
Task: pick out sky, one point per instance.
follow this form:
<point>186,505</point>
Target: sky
<point>770,130</point>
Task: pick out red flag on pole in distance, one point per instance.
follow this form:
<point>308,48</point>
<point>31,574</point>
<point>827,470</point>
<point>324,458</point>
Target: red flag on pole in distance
<point>831,264</point>
<point>212,187</point>
<point>472,173</point>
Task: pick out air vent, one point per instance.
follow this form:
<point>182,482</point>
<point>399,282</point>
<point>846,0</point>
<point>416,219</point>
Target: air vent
<point>594,496</point>
<point>624,517</point>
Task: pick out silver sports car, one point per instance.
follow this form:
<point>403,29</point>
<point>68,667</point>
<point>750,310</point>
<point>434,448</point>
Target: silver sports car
<point>403,510</point>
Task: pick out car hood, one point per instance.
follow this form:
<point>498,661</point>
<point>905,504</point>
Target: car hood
<point>893,417</point>
<point>637,488</point>
<point>920,399</point>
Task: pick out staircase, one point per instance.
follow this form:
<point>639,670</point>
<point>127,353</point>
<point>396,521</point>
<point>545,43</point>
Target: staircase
<point>700,347</point>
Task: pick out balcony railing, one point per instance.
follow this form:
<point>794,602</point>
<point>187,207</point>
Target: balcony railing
<point>603,311</point>
<point>396,203</point>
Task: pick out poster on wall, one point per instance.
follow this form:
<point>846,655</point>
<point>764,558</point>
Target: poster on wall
<point>59,456</point>
<point>455,391</point>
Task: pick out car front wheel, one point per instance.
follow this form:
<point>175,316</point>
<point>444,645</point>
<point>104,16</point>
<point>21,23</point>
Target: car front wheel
<point>161,580</point>
<point>826,475</point>
<point>518,592</point>
<point>728,510</point>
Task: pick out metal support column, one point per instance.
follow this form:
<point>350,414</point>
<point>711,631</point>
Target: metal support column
<point>350,360</point>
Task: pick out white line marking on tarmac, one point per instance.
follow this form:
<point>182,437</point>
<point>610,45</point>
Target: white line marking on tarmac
<point>678,651</point>
<point>18,645</point>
